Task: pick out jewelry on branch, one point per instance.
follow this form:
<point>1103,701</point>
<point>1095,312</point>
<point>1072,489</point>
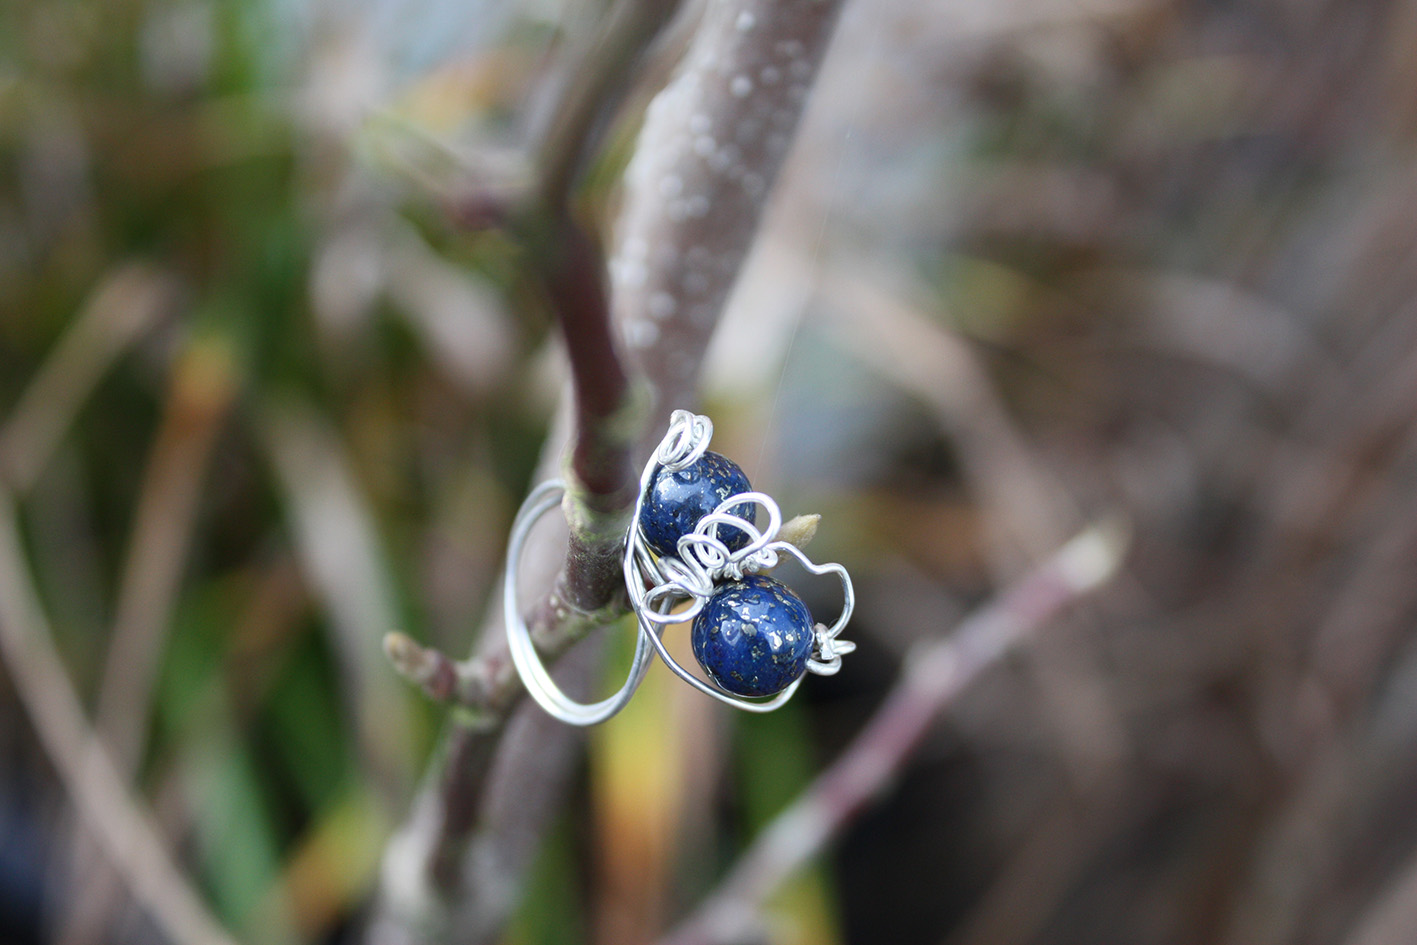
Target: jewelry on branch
<point>695,553</point>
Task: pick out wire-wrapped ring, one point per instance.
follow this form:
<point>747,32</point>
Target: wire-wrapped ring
<point>539,684</point>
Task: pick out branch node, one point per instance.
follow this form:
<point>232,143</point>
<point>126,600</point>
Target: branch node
<point>425,667</point>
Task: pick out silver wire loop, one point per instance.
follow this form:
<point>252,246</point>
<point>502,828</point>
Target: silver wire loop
<point>685,443</point>
<point>672,589</point>
<point>539,684</point>
<point>658,586</point>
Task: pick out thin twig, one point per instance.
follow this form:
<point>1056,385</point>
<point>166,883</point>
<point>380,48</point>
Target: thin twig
<point>124,305</point>
<point>932,678</point>
<point>567,259</point>
<point>1024,502</point>
<point>424,869</point>
<point>200,391</point>
<point>609,419</point>
<point>463,682</point>
<point>125,828</point>
<point>1393,913</point>
<point>590,92</point>
<point>340,551</point>
<point>1028,511</point>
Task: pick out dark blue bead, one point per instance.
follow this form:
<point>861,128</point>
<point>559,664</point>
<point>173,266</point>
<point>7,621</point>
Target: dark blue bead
<point>753,636</point>
<point>675,501</point>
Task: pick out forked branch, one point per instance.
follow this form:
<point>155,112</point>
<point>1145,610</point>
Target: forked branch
<point>707,156</point>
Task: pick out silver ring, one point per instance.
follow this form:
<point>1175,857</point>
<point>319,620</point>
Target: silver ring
<point>539,684</point>
<point>657,584</point>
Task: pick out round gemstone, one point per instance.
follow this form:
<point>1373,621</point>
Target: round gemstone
<point>675,501</point>
<point>753,636</point>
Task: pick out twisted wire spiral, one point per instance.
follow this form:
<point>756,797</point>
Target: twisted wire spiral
<point>659,585</point>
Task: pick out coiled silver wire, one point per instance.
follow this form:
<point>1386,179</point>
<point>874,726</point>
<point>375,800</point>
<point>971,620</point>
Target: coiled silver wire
<point>659,585</point>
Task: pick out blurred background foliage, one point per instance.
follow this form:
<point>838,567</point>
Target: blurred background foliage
<point>1031,261</point>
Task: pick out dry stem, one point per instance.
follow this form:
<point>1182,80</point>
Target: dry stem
<point>122,825</point>
<point>934,676</point>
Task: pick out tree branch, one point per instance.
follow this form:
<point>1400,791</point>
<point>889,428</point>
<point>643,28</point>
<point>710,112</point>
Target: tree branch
<point>591,91</point>
<point>709,153</point>
<point>126,831</point>
<point>129,300</point>
<point>465,683</point>
<point>746,79</point>
<point>201,389</point>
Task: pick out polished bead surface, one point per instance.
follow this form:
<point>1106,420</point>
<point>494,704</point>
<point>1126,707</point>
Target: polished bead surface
<point>675,501</point>
<point>754,636</point>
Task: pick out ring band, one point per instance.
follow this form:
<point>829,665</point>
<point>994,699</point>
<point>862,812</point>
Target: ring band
<point>539,684</point>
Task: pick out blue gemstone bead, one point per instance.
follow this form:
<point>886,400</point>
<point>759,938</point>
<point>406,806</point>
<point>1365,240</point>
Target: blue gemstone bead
<point>675,501</point>
<point>753,636</point>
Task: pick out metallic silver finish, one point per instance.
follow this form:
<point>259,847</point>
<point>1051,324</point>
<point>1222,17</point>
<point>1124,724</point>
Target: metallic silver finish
<point>660,586</point>
<point>539,684</point>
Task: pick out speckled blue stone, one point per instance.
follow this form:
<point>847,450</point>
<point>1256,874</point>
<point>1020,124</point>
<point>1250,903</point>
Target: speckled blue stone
<point>754,636</point>
<point>675,501</point>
